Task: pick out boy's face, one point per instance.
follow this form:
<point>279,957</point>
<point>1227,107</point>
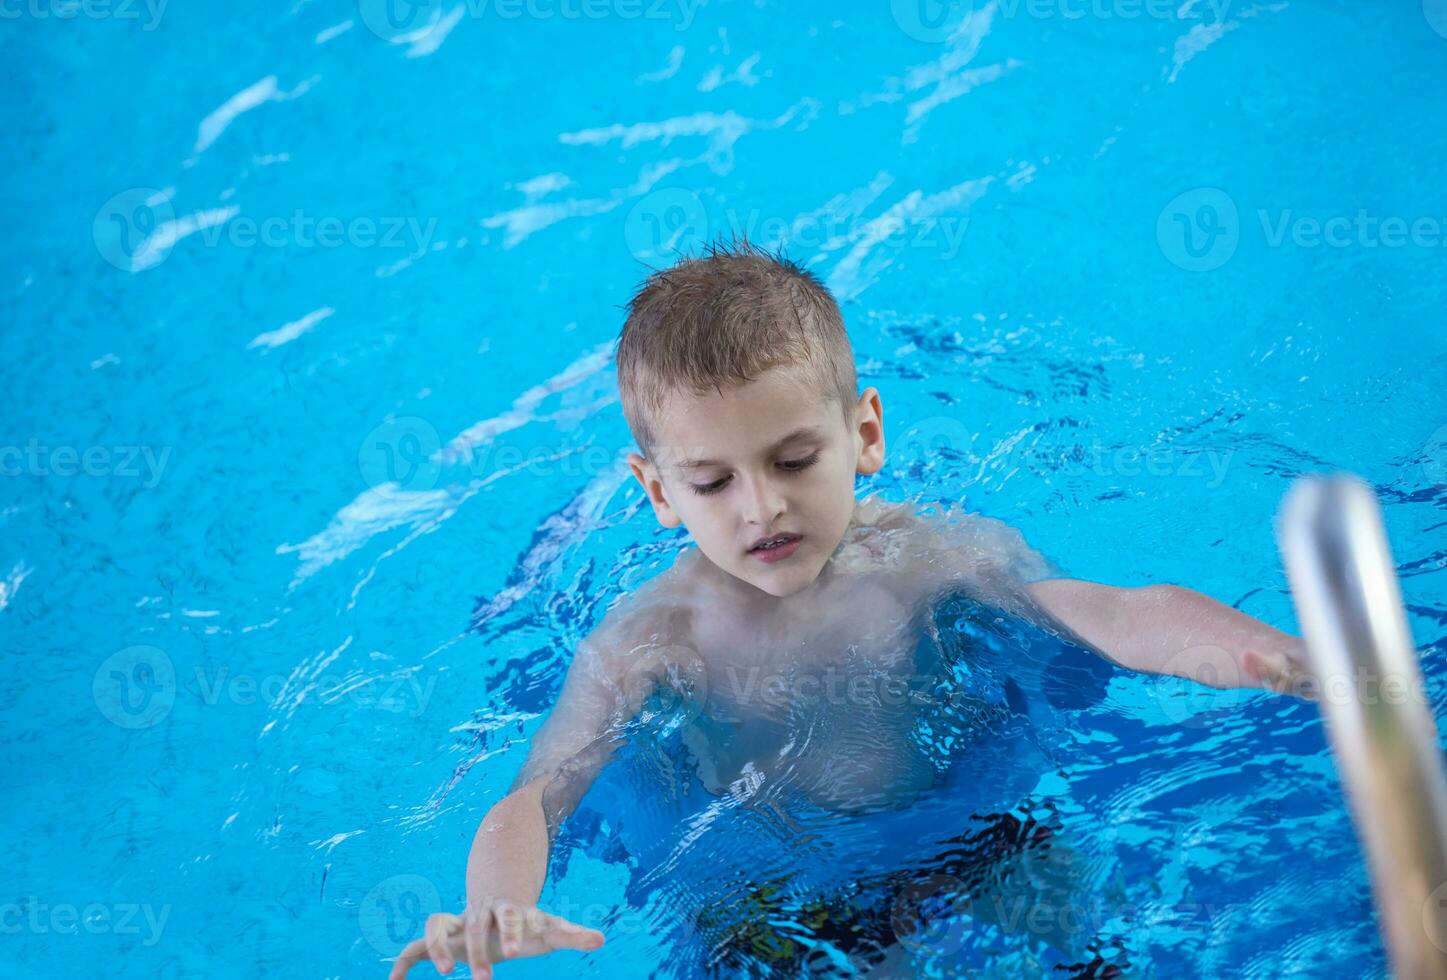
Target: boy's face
<point>772,457</point>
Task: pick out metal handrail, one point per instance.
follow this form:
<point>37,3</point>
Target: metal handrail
<point>1380,723</point>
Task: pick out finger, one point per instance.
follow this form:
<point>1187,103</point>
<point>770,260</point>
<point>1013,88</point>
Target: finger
<point>413,953</point>
<point>1279,673</point>
<point>1295,679</point>
<point>562,934</point>
<point>1268,669</point>
<point>475,937</point>
<point>509,928</point>
<point>1255,663</point>
<point>439,929</point>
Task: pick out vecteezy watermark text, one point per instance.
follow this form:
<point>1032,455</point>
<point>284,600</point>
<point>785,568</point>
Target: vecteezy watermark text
<point>302,230</point>
<point>936,21</point>
<point>137,688</point>
<point>395,911</point>
<point>837,686</point>
<point>672,220</point>
<point>406,453</point>
<point>145,463</point>
<point>147,12</point>
<point>33,915</point>
<point>400,21</point>
<point>399,691</point>
<point>1201,229</point>
<point>138,228</point>
<point>1204,463</point>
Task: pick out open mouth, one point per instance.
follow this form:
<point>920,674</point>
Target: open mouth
<point>775,548</point>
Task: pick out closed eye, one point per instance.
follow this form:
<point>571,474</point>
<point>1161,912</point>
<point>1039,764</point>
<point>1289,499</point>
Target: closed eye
<point>704,489</point>
<point>787,465</point>
<point>795,465</point>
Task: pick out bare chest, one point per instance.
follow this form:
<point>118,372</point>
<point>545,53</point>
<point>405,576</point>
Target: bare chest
<point>757,664</point>
<point>823,696</point>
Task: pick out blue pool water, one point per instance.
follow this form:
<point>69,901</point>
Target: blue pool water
<point>311,444</point>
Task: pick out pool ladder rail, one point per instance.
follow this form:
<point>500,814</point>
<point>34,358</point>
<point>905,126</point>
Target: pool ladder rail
<point>1378,717</point>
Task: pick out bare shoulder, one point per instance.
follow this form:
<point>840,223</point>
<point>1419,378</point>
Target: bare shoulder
<point>885,533</point>
<point>876,513</point>
<point>951,526</point>
<point>937,547</point>
<point>655,616</point>
<point>883,544</point>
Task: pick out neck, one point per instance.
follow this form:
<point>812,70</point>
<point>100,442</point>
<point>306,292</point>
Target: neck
<point>759,601</point>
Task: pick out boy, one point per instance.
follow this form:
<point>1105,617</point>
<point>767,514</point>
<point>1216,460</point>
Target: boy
<point>737,380</point>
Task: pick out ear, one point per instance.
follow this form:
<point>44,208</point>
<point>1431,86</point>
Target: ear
<point>647,476</point>
<point>869,427</point>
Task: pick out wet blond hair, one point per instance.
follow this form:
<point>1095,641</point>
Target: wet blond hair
<point>724,318</point>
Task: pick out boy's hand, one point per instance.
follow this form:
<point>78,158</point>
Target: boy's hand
<point>1284,671</point>
<point>495,932</point>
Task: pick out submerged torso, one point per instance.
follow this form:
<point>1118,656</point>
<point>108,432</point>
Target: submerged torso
<point>822,693</point>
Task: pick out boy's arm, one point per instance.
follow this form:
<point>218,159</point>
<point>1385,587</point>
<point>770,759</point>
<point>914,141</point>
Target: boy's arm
<point>1162,629</point>
<point>508,860</point>
<point>605,687</point>
<point>1166,629</point>
<point>509,856</point>
<point>613,673</point>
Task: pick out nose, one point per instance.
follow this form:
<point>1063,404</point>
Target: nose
<point>763,503</point>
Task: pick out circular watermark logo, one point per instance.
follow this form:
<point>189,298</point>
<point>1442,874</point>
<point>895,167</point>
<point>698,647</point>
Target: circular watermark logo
<point>135,687</point>
<point>1436,13</point>
<point>395,21</point>
<point>401,451</point>
<point>1198,685</point>
<point>931,915</point>
<point>1199,230</point>
<point>664,222</point>
<point>1434,458</point>
<point>1434,917</point>
<point>395,912</point>
<point>930,21</point>
<point>124,227</point>
<point>675,674</point>
<point>932,437</point>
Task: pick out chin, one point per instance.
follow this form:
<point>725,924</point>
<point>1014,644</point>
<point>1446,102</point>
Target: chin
<point>786,583</point>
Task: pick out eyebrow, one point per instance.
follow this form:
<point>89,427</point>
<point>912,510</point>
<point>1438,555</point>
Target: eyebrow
<point>803,432</point>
